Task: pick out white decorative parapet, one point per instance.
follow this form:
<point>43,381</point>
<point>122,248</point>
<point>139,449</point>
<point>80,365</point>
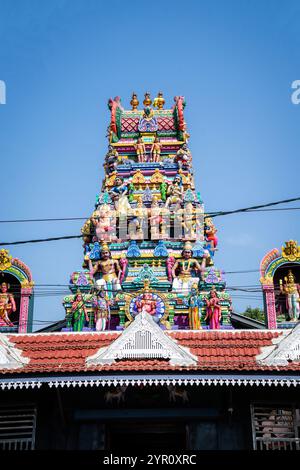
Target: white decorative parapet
<point>285,351</point>
<point>10,357</point>
<point>143,339</point>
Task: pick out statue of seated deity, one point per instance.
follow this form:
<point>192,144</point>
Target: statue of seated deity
<point>104,222</point>
<point>175,193</point>
<point>186,267</point>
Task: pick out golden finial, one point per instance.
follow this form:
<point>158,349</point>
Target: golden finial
<point>147,101</point>
<point>159,101</point>
<point>134,101</point>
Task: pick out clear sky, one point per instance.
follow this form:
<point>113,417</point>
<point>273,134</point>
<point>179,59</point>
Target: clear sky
<point>234,61</point>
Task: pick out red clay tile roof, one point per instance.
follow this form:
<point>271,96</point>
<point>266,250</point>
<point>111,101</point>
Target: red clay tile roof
<point>216,351</point>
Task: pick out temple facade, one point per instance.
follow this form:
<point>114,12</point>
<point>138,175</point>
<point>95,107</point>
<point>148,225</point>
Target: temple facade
<point>147,358</point>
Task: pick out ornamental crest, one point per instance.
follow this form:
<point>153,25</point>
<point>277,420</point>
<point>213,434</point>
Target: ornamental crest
<point>5,260</point>
<point>291,251</point>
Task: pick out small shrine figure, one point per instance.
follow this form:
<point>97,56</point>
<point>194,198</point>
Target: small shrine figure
<point>111,160</point>
<point>79,312</point>
<point>185,279</point>
<point>136,225</point>
<point>169,264</point>
<point>189,223</point>
<point>213,310</point>
<point>109,270</point>
<point>101,219</point>
<point>146,304</point>
<point>7,304</point>
<point>210,235</point>
<point>195,303</point>
<point>183,158</point>
<point>175,193</point>
<point>102,310</point>
<point>140,150</point>
<point>155,150</point>
<point>292,293</point>
<point>123,264</point>
<point>155,218</point>
<point>118,193</point>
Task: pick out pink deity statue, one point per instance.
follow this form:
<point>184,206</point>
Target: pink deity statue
<point>170,263</point>
<point>213,310</point>
<point>146,304</point>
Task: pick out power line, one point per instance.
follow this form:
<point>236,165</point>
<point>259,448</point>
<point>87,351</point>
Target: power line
<point>41,240</point>
<point>258,208</point>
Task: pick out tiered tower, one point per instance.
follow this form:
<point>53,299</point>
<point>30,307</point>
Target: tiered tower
<point>148,245</point>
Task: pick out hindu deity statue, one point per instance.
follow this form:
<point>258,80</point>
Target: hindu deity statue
<point>155,150</point>
<point>156,219</point>
<point>137,223</point>
<point>79,313</point>
<point>291,290</point>
<point>109,270</point>
<point>213,310</point>
<point>195,303</point>
<point>210,235</point>
<point>118,193</point>
<point>111,160</point>
<point>146,304</point>
<point>186,266</point>
<point>102,310</point>
<point>104,222</point>
<point>183,158</point>
<point>140,150</point>
<point>7,304</point>
<point>175,192</point>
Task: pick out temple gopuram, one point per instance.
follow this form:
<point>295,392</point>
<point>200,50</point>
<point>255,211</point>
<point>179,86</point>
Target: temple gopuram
<point>148,245</point>
<point>147,357</point>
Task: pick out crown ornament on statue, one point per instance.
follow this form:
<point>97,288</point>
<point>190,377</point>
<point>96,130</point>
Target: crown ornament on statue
<point>188,246</point>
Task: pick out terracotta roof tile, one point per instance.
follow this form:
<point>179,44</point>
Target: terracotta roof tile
<point>216,350</point>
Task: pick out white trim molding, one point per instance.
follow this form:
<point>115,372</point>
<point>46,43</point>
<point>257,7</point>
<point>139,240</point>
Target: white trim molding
<point>143,339</point>
<point>286,350</point>
<point>10,356</point>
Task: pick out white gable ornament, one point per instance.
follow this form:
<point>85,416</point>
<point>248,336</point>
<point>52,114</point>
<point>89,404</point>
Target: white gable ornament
<point>143,339</point>
<point>286,350</point>
<point>10,357</point>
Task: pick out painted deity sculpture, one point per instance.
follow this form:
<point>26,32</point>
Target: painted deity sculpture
<point>156,219</point>
<point>118,194</point>
<point>140,150</point>
<point>213,310</point>
<point>102,310</point>
<point>137,223</point>
<point>7,304</point>
<point>104,222</point>
<point>109,271</point>
<point>186,265</point>
<point>155,150</point>
<point>195,304</point>
<point>291,290</point>
<point>146,304</point>
<point>183,158</point>
<point>210,235</point>
<point>111,160</point>
<point>175,192</point>
<point>79,313</point>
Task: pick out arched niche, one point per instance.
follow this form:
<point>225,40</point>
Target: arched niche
<point>17,276</point>
<point>273,268</point>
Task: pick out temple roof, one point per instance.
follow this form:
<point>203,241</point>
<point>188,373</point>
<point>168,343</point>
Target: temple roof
<point>215,351</point>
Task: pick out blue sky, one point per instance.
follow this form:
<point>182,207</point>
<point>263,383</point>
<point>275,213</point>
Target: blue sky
<point>234,61</point>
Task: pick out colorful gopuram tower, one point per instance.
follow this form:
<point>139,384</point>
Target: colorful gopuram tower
<point>148,245</point>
